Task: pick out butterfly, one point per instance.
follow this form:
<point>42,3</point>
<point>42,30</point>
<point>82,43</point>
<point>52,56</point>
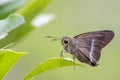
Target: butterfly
<point>87,47</point>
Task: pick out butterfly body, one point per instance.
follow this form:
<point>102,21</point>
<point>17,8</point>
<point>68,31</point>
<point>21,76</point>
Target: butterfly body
<point>87,47</point>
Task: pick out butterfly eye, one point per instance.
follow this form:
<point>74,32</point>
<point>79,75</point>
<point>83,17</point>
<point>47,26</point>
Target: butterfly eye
<point>66,41</point>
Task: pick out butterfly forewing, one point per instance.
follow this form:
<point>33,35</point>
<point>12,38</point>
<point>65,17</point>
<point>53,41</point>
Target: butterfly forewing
<point>89,45</point>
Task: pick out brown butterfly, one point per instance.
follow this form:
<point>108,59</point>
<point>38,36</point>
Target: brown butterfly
<point>87,47</point>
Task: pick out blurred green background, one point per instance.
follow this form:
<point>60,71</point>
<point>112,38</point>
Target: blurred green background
<point>72,17</point>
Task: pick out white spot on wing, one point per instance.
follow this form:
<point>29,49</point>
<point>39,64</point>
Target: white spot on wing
<point>91,50</point>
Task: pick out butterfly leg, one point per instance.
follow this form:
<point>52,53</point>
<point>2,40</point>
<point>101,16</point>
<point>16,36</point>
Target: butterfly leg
<point>62,53</point>
<point>74,56</point>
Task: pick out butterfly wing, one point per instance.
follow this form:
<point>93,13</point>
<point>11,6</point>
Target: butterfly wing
<point>89,45</point>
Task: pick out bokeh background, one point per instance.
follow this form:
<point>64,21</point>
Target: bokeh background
<point>72,17</point>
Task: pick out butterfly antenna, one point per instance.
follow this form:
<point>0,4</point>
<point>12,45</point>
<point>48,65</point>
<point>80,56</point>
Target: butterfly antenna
<point>54,38</point>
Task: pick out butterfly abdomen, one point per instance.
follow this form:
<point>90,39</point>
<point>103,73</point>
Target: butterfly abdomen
<point>94,64</point>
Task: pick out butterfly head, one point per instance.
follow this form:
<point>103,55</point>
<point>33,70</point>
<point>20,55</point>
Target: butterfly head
<point>66,40</point>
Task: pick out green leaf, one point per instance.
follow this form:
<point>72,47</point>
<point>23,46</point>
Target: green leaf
<point>33,8</point>
<point>30,10</point>
<point>49,65</point>
<point>7,59</point>
<point>11,22</point>
<point>10,6</point>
